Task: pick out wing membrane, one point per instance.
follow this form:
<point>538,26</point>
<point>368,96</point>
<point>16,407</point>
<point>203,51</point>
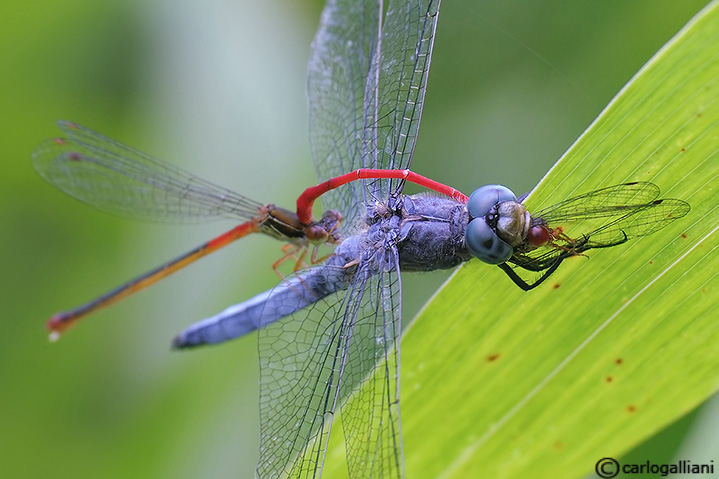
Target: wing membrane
<point>313,361</point>
<point>370,417</point>
<point>601,203</point>
<point>298,385</point>
<point>343,52</point>
<point>396,93</point>
<point>118,179</point>
<point>367,80</point>
<point>603,218</point>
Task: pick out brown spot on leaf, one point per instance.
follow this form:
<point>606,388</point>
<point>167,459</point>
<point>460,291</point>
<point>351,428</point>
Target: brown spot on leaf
<point>492,357</point>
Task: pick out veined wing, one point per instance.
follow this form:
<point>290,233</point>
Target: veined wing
<point>367,79</point>
<point>118,179</point>
<point>600,219</point>
<point>315,360</point>
<point>601,203</point>
<point>641,221</point>
<point>612,215</point>
<point>371,414</point>
<point>396,90</point>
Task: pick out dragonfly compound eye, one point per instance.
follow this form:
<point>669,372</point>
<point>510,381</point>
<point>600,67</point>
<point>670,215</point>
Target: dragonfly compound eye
<point>484,243</point>
<point>482,199</point>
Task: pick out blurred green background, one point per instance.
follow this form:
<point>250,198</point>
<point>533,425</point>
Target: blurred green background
<point>218,86</point>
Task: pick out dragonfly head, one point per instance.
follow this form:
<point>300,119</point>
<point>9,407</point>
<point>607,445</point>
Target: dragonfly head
<point>498,224</point>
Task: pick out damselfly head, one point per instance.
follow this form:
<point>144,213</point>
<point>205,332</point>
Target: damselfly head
<point>327,229</point>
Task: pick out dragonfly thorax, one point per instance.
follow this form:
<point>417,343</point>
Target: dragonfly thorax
<point>431,232</point>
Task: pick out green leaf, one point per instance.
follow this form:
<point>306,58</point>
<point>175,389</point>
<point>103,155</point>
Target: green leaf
<point>497,382</point>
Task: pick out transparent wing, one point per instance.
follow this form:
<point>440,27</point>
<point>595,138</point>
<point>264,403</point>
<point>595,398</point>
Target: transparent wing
<point>597,221</point>
<point>395,101</point>
<point>298,387</point>
<point>117,179</point>
<point>612,215</point>
<point>366,86</point>
<point>602,203</point>
<point>642,221</point>
<point>312,362</point>
<point>370,417</point>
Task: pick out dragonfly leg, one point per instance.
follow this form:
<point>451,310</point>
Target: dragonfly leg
<point>607,245</point>
<point>301,260</point>
<point>290,251</point>
<point>315,260</point>
<point>574,248</point>
<point>523,284</point>
<point>571,247</point>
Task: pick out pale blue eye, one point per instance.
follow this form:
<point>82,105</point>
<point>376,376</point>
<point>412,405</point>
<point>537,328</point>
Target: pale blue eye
<point>484,243</point>
<point>482,199</point>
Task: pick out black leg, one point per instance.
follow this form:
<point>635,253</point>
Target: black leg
<point>523,284</point>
